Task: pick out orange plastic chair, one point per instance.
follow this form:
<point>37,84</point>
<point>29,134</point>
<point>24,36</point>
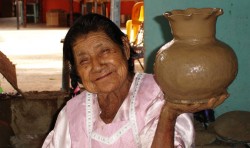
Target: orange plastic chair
<point>137,18</point>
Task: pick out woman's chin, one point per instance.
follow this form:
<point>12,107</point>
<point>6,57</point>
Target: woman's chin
<point>101,90</point>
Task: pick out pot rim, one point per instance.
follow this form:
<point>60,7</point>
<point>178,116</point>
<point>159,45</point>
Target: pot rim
<point>194,11</point>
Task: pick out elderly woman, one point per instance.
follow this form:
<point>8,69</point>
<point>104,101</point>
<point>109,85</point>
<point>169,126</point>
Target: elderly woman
<point>119,108</point>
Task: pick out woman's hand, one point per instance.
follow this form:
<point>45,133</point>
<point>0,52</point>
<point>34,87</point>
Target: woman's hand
<point>177,109</point>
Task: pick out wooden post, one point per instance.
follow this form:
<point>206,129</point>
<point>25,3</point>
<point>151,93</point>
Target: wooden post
<point>65,72</point>
<point>71,11</point>
<point>65,68</point>
<point>40,11</point>
<point>24,13</point>
<point>17,15</point>
<point>115,11</point>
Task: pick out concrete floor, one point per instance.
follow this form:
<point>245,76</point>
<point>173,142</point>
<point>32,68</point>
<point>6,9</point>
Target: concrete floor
<point>37,53</point>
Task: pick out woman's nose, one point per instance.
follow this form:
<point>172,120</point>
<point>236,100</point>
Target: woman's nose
<point>97,64</point>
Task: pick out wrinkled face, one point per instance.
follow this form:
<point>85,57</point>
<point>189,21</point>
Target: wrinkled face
<point>100,62</point>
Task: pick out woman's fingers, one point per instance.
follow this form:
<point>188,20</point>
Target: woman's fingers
<point>220,100</point>
<point>195,107</point>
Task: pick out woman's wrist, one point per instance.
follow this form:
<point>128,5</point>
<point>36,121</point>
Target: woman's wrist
<point>168,114</point>
<point>164,135</point>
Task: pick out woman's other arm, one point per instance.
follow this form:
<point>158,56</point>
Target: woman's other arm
<point>59,137</point>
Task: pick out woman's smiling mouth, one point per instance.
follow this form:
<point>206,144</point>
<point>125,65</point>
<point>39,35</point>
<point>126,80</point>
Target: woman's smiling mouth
<point>103,76</point>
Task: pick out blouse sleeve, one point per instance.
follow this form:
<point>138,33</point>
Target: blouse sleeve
<point>184,130</point>
<point>59,137</point>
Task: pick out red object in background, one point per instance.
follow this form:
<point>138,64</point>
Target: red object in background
<point>47,5</point>
<point>59,5</point>
<point>126,7</point>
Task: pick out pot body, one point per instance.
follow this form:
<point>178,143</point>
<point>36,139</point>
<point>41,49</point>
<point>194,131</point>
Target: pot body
<point>194,66</point>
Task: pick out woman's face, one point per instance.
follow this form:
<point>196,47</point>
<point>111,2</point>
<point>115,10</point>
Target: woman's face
<point>100,62</point>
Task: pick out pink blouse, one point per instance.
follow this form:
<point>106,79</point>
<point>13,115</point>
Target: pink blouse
<point>80,126</point>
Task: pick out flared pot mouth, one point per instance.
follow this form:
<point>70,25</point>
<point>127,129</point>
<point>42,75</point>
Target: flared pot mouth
<point>189,12</point>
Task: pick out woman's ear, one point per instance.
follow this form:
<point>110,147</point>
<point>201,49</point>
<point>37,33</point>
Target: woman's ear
<point>126,46</point>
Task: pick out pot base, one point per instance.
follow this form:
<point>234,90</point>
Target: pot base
<point>190,101</point>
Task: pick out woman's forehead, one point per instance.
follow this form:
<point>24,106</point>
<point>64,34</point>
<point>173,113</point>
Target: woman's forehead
<point>92,37</point>
<point>92,41</point>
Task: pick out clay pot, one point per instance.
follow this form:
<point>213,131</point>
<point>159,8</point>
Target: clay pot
<point>194,66</point>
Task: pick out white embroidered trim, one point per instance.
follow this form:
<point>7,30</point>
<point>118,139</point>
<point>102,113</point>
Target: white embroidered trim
<point>132,113</point>
<point>132,116</point>
<point>114,137</point>
<point>89,122</point>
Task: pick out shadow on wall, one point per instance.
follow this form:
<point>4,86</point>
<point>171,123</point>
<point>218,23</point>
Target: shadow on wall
<point>166,35</point>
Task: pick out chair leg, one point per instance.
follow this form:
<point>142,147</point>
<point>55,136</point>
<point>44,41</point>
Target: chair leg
<point>35,12</point>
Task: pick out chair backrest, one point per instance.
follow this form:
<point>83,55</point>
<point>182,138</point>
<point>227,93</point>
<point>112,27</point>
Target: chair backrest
<point>136,10</point>
<point>137,17</point>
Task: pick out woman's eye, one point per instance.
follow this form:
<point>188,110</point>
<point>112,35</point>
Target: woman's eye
<point>105,51</point>
<point>83,61</point>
